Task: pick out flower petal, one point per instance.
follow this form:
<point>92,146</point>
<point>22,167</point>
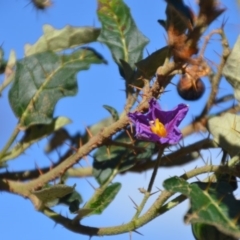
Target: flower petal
<point>154,108</point>
<point>138,117</point>
<point>175,117</point>
<point>170,120</point>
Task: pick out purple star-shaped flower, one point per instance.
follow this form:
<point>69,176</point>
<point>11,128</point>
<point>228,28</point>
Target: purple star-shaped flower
<point>158,125</point>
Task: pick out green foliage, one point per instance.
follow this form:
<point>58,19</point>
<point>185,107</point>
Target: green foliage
<point>226,132</point>
<point>58,40</point>
<point>42,79</point>
<point>148,66</point>
<point>45,75</point>
<point>118,157</point>
<point>211,204</point>
<point>73,200</point>
<point>99,204</point>
<point>204,232</point>
<point>119,32</point>
<point>112,111</point>
<point>35,133</point>
<point>50,195</point>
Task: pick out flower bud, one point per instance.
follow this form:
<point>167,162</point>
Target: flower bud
<point>190,89</point>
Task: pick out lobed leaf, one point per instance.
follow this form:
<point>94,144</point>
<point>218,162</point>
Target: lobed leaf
<point>211,203</point>
<point>226,132</point>
<point>119,32</point>
<point>43,79</point>
<point>60,39</point>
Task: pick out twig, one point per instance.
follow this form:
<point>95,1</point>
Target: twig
<point>149,189</point>
<point>217,77</point>
<point>154,174</point>
<point>31,174</point>
<point>9,142</point>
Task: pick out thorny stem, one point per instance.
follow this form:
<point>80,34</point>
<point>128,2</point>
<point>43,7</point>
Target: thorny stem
<point>100,190</point>
<point>179,199</point>
<point>218,75</point>
<point>147,193</point>
<point>157,209</point>
<point>96,141</point>
<point>179,157</point>
<point>216,78</point>
<point>141,206</point>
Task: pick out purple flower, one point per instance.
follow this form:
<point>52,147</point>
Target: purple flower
<point>158,125</point>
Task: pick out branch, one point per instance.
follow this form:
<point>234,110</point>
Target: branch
<point>217,77</point>
<point>31,174</point>
<point>182,156</point>
<point>154,211</point>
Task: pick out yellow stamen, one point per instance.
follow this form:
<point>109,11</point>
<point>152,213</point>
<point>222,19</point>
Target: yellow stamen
<point>158,128</point>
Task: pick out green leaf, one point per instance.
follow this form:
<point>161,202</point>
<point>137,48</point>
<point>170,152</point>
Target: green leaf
<point>60,39</point>
<point>231,70</point>
<point>57,139</point>
<point>226,132</point>
<point>148,66</point>
<point>112,111</point>
<point>121,158</point>
<point>42,79</point>
<point>119,32</point>
<point>204,232</point>
<point>73,200</point>
<point>211,203</point>
<point>49,194</point>
<point>126,71</point>
<point>33,134</point>
<point>99,204</point>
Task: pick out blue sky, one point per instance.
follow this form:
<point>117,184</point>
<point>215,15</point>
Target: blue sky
<point>102,84</point>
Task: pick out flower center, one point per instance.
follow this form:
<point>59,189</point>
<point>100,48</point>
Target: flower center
<point>158,128</point>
